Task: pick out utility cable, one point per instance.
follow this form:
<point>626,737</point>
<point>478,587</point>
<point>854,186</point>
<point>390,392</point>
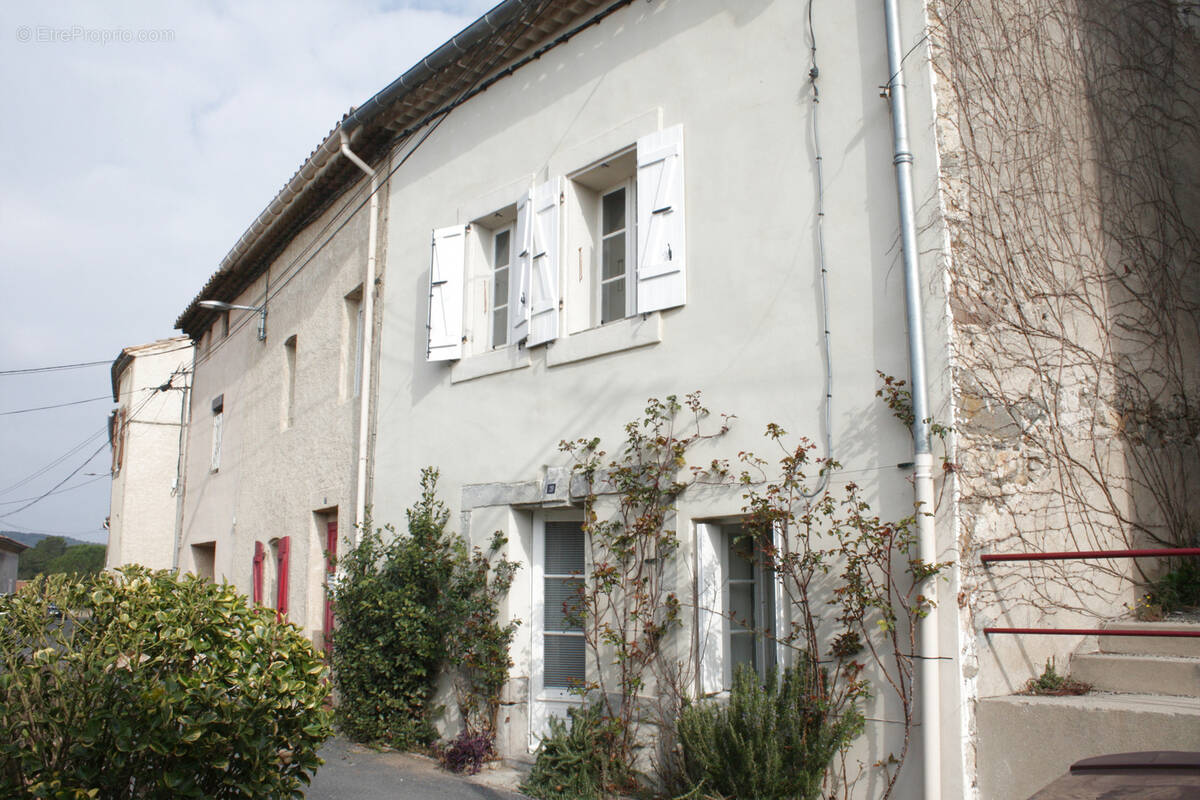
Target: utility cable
<point>104,430</point>
<point>81,365</point>
<point>60,491</point>
<point>73,402</point>
<point>58,368</point>
<point>814,72</point>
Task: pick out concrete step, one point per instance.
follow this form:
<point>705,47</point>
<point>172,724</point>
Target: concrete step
<point>1152,645</point>
<point>1027,742</point>
<point>1138,674</point>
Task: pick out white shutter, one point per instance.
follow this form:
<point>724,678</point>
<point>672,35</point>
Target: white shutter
<point>661,259</point>
<point>446,280</point>
<point>543,282</point>
<point>709,615</point>
<point>518,273</point>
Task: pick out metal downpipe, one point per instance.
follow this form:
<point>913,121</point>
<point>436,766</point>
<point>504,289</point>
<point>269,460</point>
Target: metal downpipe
<point>927,632</point>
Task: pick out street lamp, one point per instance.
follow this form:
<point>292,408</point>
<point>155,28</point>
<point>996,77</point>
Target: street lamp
<point>218,305</point>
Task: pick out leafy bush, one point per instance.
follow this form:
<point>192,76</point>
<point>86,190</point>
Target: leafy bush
<point>408,608</point>
<point>773,741</point>
<point>149,685</point>
<point>573,761</point>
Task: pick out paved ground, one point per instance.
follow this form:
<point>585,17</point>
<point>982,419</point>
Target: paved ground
<point>353,772</point>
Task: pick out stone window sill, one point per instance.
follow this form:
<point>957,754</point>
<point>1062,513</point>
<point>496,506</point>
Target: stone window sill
<point>628,334</point>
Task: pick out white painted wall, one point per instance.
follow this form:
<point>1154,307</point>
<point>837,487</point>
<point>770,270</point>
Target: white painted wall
<point>734,76</point>
<point>141,523</point>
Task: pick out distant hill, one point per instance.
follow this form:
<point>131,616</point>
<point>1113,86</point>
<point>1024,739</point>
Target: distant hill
<point>33,538</point>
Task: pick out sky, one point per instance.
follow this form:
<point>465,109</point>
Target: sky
<point>140,140</point>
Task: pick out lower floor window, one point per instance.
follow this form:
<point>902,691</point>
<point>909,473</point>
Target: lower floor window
<point>749,602</point>
<point>562,628</point>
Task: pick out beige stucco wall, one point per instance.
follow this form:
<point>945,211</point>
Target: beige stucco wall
<point>141,523</point>
<point>277,479</point>
<point>750,335</point>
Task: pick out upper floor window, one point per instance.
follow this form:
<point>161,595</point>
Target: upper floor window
<point>623,229</point>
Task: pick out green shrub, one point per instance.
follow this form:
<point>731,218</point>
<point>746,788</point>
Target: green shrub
<point>772,741</point>
<point>573,761</point>
<point>141,684</point>
<point>1178,589</point>
<point>409,608</point>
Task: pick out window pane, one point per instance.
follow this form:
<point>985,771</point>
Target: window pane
<point>500,290</point>
<point>741,649</point>
<point>562,601</point>
<point>741,606</point>
<point>614,212</point>
<point>502,250</point>
<point>564,548</point>
<point>563,661</point>
<point>613,257</point>
<point>500,326</point>
<point>741,568</point>
<point>612,301</point>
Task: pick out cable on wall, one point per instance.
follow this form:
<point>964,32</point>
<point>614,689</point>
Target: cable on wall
<point>814,72</point>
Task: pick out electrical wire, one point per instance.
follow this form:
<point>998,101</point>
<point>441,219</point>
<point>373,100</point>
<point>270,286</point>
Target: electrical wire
<point>58,368</point>
<point>60,491</point>
<point>103,431</point>
<point>296,265</point>
<point>56,405</point>
<point>80,365</point>
<point>53,488</point>
<point>73,402</point>
<point>814,72</point>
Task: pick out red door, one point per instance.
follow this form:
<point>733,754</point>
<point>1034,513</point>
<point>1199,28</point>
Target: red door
<point>330,555</point>
<point>259,556</point>
<point>281,565</point>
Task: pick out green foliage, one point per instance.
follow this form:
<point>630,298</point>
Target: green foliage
<point>1052,683</point>
<point>53,556</point>
<point>409,607</point>
<point>1178,589</point>
<point>573,762</point>
<point>772,741</point>
<point>149,686</point>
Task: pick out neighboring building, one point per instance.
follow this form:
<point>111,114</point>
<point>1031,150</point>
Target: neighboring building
<point>584,203</point>
<point>150,386</point>
<point>10,553</point>
<point>273,450</point>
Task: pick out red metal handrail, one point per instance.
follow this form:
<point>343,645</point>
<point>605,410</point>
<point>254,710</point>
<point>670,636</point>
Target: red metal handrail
<point>1065,555</point>
<point>1099,632</point>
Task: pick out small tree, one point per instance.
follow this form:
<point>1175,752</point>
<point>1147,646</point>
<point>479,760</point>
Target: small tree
<point>409,608</point>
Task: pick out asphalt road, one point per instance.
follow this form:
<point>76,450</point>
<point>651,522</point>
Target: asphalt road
<point>353,772</point>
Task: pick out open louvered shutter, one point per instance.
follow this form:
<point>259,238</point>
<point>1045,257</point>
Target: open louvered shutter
<point>257,575</point>
<point>543,282</point>
<point>661,258</point>
<point>282,563</point>
<point>446,279</point>
<point>518,275</point>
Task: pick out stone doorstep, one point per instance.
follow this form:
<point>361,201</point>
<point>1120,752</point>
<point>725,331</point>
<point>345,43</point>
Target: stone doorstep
<point>1025,742</point>
<point>1138,674</point>
<point>1150,645</point>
